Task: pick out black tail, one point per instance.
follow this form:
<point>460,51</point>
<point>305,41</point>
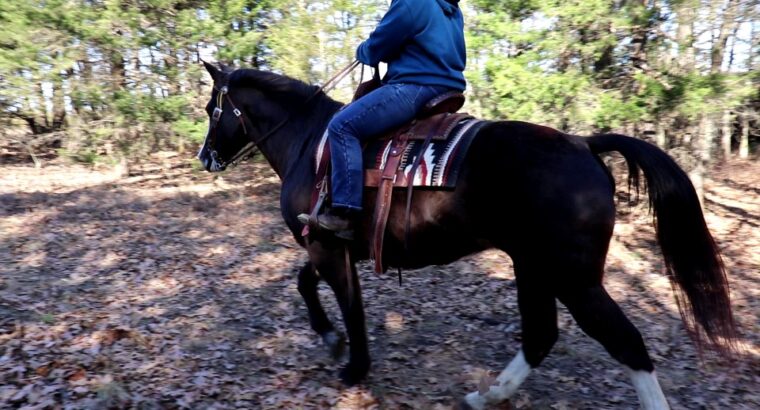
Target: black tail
<point>691,255</point>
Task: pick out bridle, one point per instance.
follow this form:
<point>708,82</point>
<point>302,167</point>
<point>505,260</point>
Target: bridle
<point>223,93</point>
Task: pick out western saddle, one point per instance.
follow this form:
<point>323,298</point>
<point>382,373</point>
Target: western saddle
<point>434,122</point>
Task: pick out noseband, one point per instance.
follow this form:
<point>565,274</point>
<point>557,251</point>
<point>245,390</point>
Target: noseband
<point>252,146</point>
<point>248,150</point>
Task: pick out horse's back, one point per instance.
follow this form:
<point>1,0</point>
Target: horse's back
<point>521,186</point>
<point>536,166</point>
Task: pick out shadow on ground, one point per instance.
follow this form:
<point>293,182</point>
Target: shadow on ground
<point>176,289</point>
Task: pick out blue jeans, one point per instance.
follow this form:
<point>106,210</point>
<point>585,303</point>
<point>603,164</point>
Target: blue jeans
<point>378,112</point>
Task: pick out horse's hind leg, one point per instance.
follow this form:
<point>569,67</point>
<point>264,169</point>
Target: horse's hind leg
<point>601,318</point>
<point>538,312</point>
<point>307,287</point>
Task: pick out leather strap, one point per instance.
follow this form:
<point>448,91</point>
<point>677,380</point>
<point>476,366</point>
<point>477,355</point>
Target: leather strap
<point>384,197</point>
<point>319,193</point>
<point>373,177</point>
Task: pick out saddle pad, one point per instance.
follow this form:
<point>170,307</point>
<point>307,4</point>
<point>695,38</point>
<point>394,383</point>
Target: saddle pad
<point>440,163</point>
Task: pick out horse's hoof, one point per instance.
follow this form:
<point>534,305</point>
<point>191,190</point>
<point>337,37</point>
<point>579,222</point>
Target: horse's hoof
<point>472,401</point>
<point>353,374</point>
<point>335,342</point>
<point>463,405</point>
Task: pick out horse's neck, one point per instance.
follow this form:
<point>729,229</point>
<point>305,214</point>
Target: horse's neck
<point>294,147</point>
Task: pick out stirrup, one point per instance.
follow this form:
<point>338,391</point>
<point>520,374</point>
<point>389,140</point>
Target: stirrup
<point>306,219</point>
<point>313,222</point>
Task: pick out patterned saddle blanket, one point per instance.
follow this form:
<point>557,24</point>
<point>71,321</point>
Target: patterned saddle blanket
<point>440,159</point>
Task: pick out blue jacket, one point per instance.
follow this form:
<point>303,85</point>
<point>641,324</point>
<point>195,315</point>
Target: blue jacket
<point>422,41</point>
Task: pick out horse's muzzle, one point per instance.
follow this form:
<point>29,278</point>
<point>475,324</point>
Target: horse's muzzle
<point>210,160</point>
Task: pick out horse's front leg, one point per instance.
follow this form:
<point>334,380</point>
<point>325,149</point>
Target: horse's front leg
<point>307,287</point>
<point>339,271</point>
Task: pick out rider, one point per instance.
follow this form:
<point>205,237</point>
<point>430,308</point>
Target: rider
<point>422,41</point>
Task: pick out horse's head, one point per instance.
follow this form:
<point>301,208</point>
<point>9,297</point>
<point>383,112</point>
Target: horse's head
<point>235,122</point>
<point>226,134</point>
<point>248,106</point>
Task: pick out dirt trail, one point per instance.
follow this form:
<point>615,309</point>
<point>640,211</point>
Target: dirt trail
<point>176,289</point>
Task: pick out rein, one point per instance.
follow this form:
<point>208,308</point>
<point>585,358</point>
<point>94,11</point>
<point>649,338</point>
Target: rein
<point>253,146</point>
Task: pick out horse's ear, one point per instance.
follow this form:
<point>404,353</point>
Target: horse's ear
<point>225,69</point>
<point>213,71</point>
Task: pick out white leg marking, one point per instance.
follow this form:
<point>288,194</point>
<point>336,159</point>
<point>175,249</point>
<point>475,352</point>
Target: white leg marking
<point>508,382</point>
<point>331,338</point>
<point>648,389</point>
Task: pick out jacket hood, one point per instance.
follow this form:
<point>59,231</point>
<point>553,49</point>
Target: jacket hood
<point>449,6</point>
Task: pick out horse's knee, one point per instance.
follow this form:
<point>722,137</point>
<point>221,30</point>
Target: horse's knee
<point>307,287</point>
<point>307,280</point>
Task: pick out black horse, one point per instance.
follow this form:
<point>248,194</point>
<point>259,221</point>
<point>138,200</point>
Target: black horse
<point>556,225</point>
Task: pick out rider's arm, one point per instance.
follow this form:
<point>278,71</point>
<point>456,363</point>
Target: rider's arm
<point>388,38</point>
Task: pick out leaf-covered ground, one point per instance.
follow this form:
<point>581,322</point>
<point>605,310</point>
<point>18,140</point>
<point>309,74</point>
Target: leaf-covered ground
<point>173,288</point>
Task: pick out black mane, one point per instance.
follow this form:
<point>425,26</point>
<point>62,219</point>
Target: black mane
<point>278,86</point>
<point>310,110</point>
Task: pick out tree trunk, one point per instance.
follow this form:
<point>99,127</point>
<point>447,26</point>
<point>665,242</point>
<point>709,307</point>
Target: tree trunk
<point>727,26</point>
<point>704,155</point>
<point>727,134</point>
<point>661,137</point>
<point>732,52</point>
<point>754,45</point>
<point>34,112</point>
<point>639,38</point>
<point>686,12</point>
<point>744,142</point>
<point>707,138</point>
<point>59,103</point>
<point>42,111</point>
<point>198,84</point>
<point>118,75</point>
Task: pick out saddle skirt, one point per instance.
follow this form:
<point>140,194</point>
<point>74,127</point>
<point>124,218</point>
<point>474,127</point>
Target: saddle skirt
<point>440,159</point>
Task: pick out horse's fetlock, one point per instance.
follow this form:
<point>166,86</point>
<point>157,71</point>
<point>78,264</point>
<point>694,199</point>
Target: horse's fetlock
<point>335,342</point>
<point>473,401</point>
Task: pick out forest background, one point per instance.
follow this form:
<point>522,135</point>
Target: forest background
<point>107,81</point>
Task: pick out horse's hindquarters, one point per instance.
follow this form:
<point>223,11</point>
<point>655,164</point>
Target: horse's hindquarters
<point>528,188</point>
